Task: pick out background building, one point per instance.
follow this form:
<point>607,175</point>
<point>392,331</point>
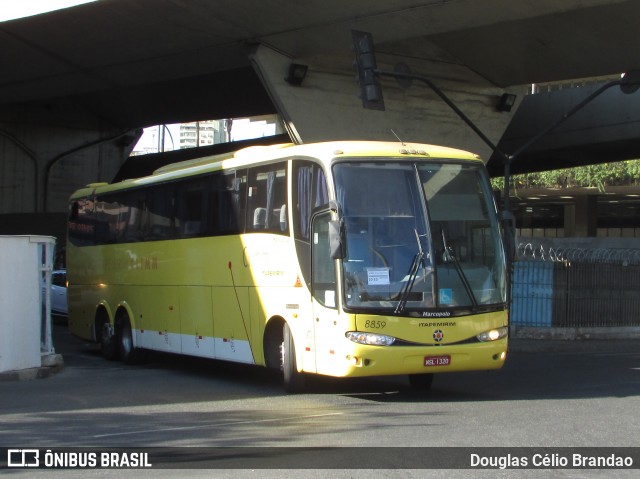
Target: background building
<point>203,133</point>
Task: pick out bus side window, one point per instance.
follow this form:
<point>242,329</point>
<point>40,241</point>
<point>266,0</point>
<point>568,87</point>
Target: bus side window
<point>191,208</point>
<point>107,213</point>
<point>227,203</point>
<point>134,204</point>
<point>160,208</point>
<point>81,223</point>
<point>323,267</point>
<point>267,196</point>
<point>309,194</point>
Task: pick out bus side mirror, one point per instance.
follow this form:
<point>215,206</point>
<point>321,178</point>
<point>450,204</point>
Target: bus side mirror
<point>336,240</point>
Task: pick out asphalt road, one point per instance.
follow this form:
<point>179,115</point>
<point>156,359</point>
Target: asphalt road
<point>549,394</point>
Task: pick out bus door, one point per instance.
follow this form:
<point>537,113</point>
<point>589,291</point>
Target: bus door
<point>325,296</point>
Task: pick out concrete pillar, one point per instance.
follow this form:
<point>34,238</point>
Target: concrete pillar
<point>580,218</point>
<point>569,220</point>
<point>586,216</point>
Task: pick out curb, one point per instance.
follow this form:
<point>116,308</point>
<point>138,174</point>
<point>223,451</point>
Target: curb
<point>51,364</point>
<point>599,345</point>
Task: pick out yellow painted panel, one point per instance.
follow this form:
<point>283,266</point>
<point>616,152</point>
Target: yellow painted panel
<point>196,320</point>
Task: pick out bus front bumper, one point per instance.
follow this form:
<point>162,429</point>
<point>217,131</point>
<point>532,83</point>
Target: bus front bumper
<point>360,360</point>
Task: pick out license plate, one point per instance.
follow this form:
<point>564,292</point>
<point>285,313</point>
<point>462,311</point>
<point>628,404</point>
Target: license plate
<point>430,361</point>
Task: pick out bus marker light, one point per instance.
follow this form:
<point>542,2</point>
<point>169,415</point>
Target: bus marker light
<point>502,356</point>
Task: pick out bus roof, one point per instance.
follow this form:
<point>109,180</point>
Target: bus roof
<point>325,151</point>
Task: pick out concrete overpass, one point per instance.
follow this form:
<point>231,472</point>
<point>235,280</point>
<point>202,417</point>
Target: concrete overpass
<point>78,84</point>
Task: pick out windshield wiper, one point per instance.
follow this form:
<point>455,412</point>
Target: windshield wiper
<point>418,260</point>
<point>449,257</point>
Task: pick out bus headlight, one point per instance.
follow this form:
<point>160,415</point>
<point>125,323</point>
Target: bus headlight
<point>493,335</point>
<point>370,338</point>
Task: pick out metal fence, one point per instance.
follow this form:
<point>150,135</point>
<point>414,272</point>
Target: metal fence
<point>623,256</point>
<point>575,287</point>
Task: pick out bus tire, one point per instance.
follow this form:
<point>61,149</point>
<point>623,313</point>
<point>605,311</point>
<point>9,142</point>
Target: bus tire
<point>294,380</point>
<point>128,353</point>
<point>420,382</point>
<point>108,341</point>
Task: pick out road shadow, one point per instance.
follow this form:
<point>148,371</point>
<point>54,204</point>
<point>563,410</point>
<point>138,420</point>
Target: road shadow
<point>557,371</point>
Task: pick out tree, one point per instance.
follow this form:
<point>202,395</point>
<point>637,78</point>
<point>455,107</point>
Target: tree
<point>622,173</point>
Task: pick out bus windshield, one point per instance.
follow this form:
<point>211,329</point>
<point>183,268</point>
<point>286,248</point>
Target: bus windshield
<point>419,236</point>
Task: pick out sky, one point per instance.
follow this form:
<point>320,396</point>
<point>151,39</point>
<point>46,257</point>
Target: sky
<point>12,9</point>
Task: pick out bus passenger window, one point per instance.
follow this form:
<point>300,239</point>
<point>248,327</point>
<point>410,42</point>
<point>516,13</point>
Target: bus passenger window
<point>107,213</point>
<point>227,203</point>
<point>133,205</point>
<point>82,222</point>
<point>160,213</point>
<point>191,208</point>
<point>267,195</point>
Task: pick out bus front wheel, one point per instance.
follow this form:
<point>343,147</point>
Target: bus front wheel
<point>294,380</point>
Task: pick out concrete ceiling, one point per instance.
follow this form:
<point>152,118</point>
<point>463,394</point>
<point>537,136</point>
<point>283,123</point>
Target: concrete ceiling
<point>134,63</point>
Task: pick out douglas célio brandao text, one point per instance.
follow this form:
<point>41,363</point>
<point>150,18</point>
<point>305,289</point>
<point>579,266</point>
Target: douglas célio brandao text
<point>550,460</point>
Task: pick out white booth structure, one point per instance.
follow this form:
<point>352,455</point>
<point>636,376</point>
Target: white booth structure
<point>25,308</point>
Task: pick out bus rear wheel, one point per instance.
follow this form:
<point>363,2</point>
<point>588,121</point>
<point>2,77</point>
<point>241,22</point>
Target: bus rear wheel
<point>108,341</point>
<point>294,380</point>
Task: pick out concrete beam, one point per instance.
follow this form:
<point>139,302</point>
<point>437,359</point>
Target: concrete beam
<point>326,106</point>
<point>43,162</point>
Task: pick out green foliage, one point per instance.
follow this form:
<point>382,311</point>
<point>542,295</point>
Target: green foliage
<point>601,175</point>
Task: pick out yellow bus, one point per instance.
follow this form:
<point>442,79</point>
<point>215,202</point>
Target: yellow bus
<point>340,258</point>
